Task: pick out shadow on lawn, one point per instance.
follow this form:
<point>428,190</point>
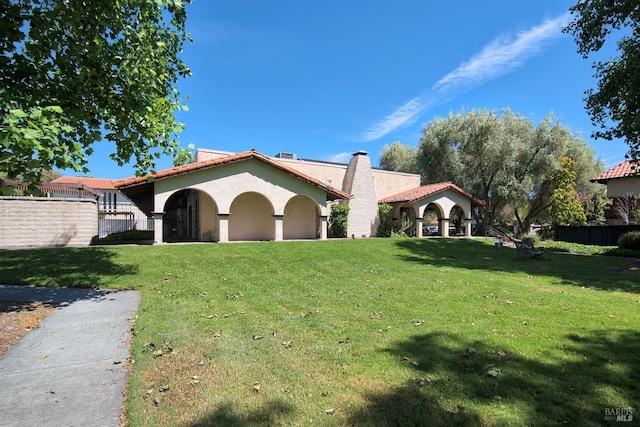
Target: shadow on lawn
<point>595,371</point>
<point>227,416</point>
<point>67,267</point>
<point>600,272</point>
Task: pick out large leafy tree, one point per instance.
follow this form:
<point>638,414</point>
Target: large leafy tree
<point>399,158</point>
<point>503,159</point>
<point>615,105</point>
<point>77,72</point>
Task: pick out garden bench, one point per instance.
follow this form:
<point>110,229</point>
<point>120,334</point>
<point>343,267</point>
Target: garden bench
<point>526,248</point>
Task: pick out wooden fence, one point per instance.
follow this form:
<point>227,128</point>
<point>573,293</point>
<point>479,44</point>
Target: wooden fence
<point>606,235</point>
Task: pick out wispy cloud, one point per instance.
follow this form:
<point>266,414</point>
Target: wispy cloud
<point>343,157</point>
<point>502,56</point>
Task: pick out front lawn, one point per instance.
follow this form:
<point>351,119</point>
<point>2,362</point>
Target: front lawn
<point>372,332</point>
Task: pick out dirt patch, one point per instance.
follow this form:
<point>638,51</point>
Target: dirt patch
<point>17,319</point>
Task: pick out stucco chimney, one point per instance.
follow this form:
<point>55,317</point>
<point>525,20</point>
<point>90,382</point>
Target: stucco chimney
<point>363,205</point>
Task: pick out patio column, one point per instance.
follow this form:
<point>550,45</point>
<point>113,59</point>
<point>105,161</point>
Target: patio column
<point>279,227</point>
<point>444,227</point>
<point>158,226</point>
<point>467,227</point>
<point>419,222</point>
<point>224,228</point>
<point>323,227</point>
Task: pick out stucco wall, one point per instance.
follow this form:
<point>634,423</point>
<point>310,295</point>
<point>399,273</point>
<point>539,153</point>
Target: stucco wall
<point>297,215</point>
<point>386,183</point>
<point>224,184</point>
<point>623,187</point>
<point>45,222</point>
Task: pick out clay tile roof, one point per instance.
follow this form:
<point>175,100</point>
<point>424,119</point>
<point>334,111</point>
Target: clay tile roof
<point>621,170</point>
<point>97,183</point>
<point>178,170</point>
<point>427,190</point>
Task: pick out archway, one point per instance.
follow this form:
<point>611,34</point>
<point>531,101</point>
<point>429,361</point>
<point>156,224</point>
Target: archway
<point>251,218</point>
<point>405,221</point>
<point>301,218</point>
<point>431,220</point>
<point>180,220</point>
<point>456,221</point>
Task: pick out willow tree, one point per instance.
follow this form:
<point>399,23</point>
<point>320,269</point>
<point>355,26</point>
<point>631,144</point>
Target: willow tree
<point>502,158</point>
<point>77,72</point>
<point>399,158</point>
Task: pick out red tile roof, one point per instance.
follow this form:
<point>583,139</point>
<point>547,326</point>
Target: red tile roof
<point>97,183</point>
<point>621,170</point>
<point>428,190</point>
<point>206,164</point>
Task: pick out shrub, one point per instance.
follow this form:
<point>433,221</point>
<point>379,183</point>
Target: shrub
<point>129,235</point>
<point>338,220</point>
<point>532,237</point>
<point>546,232</point>
<point>386,222</point>
<point>630,241</point>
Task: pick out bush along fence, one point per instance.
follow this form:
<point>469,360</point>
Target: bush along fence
<point>607,235</point>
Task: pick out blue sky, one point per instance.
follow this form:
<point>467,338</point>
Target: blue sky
<point>323,79</point>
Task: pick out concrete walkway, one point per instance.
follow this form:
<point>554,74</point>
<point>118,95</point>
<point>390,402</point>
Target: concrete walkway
<point>72,370</point>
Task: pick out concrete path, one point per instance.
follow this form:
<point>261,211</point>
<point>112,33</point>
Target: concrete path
<point>72,370</point>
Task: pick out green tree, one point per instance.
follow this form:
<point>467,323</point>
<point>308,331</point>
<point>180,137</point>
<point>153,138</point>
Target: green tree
<point>566,207</point>
<point>338,220</point>
<point>385,227</point>
<point>399,158</point>
<point>77,72</point>
<point>502,159</point>
<point>615,105</point>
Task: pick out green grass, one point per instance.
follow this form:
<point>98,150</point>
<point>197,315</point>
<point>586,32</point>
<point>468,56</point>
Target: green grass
<point>383,332</point>
<point>577,248</point>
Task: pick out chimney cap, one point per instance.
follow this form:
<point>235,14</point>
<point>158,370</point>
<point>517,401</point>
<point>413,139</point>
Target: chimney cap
<point>360,153</point>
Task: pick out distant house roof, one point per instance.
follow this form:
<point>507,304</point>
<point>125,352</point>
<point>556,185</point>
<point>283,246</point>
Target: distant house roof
<point>428,190</point>
<point>74,189</point>
<point>140,188</point>
<point>97,183</point>
<point>626,169</point>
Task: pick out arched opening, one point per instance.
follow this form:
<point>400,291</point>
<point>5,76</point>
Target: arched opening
<point>301,219</point>
<point>456,221</point>
<point>405,222</point>
<point>181,217</point>
<point>431,221</point>
<point>251,218</point>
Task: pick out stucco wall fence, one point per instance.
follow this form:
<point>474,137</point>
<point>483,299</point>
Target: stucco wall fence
<point>35,222</point>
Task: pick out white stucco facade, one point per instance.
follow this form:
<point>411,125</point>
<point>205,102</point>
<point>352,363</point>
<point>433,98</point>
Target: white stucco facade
<point>247,200</point>
<point>623,187</point>
<point>227,197</point>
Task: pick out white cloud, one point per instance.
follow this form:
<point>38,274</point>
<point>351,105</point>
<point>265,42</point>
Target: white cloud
<point>343,157</point>
<point>403,116</point>
<point>500,57</point>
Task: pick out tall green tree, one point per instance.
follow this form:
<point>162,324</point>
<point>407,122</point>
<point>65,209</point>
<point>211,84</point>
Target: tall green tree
<point>566,207</point>
<point>615,105</point>
<point>77,72</point>
<point>503,159</point>
<point>399,158</point>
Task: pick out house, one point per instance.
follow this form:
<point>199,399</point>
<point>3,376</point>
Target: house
<point>224,196</point>
<point>117,212</point>
<point>623,186</point>
<point>621,180</point>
